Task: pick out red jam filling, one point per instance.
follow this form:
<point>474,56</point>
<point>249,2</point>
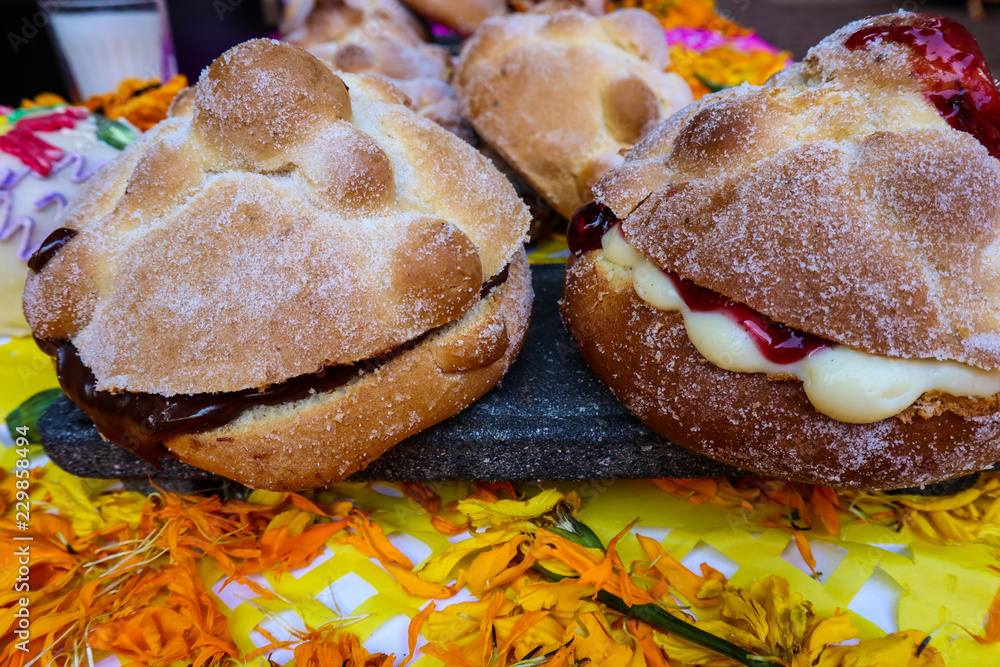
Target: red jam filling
<point>777,343</point>
<point>954,73</point>
<point>588,226</point>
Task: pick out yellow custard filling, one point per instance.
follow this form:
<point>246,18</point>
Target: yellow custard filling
<point>841,382</point>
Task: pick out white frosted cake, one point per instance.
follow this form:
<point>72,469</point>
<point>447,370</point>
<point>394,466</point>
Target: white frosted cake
<point>46,155</point>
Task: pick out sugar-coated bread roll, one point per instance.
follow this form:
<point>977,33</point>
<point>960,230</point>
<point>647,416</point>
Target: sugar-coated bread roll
<point>369,37</point>
<point>465,16</point>
<point>462,16</point>
<point>801,279</point>
<point>381,37</point>
<point>289,276</point>
<point>561,96</point>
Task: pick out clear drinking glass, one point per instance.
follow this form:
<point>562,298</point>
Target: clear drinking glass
<point>103,42</point>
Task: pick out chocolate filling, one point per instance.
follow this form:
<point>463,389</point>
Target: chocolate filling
<point>140,422</point>
<point>52,244</point>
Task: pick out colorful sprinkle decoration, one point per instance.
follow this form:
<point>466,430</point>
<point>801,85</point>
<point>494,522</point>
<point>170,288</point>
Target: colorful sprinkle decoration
<point>21,127</point>
<point>23,142</point>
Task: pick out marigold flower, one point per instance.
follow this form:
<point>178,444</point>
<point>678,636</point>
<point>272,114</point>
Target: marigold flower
<point>143,103</point>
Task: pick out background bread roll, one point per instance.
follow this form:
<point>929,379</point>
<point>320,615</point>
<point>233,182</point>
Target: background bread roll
<point>560,97</point>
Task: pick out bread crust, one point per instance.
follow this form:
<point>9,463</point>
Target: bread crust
<point>835,199</point>
<point>321,440</point>
<point>596,86</point>
<point>230,247</point>
<point>746,419</point>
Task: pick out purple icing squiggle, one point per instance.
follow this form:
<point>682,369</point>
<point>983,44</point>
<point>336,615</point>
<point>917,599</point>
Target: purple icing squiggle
<point>10,178</point>
<point>9,227</point>
<point>13,177</point>
<point>81,174</point>
<point>48,198</point>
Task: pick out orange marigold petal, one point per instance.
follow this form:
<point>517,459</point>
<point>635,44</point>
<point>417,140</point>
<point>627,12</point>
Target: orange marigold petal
<point>825,504</point>
<point>805,550</point>
<point>991,631</point>
<point>415,586</point>
<point>446,527</point>
<point>416,623</point>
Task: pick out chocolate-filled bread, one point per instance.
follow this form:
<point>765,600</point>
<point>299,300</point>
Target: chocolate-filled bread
<point>288,222</point>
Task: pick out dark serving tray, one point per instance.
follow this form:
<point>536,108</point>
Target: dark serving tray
<point>550,419</point>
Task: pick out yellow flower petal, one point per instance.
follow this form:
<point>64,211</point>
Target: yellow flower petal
<point>600,644</point>
<point>545,594</point>
<point>267,498</point>
<point>295,521</point>
<point>503,512</point>
<point>124,506</point>
<point>941,503</point>
<point>439,567</point>
<point>740,610</point>
<point>895,650</point>
<point>490,563</point>
<point>831,630</point>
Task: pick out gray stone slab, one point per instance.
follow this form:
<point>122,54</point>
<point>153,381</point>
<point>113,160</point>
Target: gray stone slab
<point>550,419</point>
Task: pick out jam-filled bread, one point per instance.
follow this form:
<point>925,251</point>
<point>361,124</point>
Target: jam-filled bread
<point>561,96</point>
<point>801,279</point>
<point>288,277</point>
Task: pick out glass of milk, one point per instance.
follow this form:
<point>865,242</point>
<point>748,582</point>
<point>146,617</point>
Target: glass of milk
<point>103,42</point>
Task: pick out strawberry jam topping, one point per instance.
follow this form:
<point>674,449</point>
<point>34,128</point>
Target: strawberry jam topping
<point>588,226</point>
<point>953,72</point>
<point>778,343</point>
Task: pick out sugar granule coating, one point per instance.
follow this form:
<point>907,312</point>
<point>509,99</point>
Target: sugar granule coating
<point>287,217</point>
<point>834,199</point>
<point>560,97</point>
